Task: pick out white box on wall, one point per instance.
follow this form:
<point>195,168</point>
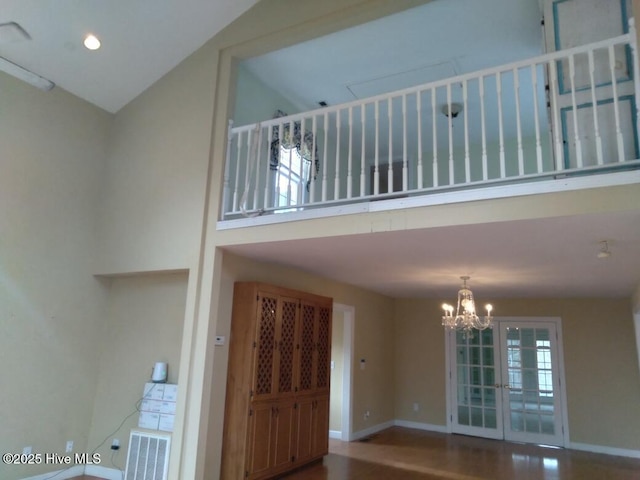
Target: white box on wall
<point>153,391</point>
<point>166,422</point>
<point>149,420</point>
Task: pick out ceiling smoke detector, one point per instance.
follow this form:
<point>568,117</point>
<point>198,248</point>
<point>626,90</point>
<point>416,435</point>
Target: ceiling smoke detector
<point>452,110</point>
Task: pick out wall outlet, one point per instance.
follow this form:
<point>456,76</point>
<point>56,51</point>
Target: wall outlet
<point>115,444</point>
<point>366,415</point>
<point>69,448</point>
<point>27,450</point>
<point>416,407</point>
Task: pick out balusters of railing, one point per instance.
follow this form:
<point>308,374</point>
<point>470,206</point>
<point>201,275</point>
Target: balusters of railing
<point>405,173</point>
<point>363,158</point>
<point>500,124</point>
<point>336,180</point>
<point>312,168</point>
<point>291,127</point>
<point>435,137</point>
<point>483,127</point>
<point>574,111</point>
<point>350,158</point>
<point>419,127</point>
<point>557,133</point>
<point>390,154</point>
<point>516,89</point>
<point>238,163</point>
<point>276,198</point>
<point>301,187</point>
<point>465,109</point>
<point>258,160</point>
<point>450,127</point>
<point>324,156</point>
<point>225,184</point>
<point>594,102</point>
<point>376,173</point>
<point>616,107</point>
<point>534,82</point>
<point>267,169</point>
<point>247,169</point>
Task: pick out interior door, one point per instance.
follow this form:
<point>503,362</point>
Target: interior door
<point>505,382</point>
<point>587,135</point>
<point>478,405</point>
<point>531,383</point>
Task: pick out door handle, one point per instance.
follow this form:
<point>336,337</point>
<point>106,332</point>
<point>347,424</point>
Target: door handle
<point>497,385</point>
<point>507,386</point>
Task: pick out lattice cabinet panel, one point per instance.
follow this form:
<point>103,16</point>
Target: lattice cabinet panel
<point>307,347</point>
<point>265,344</point>
<point>324,348</point>
<point>277,393</point>
<point>287,345</point>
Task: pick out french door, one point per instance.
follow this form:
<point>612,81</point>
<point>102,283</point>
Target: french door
<point>505,382</point>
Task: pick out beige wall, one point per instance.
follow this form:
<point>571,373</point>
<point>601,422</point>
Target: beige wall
<point>601,367</point>
<point>337,372</point>
<point>142,325</point>
<point>155,176</point>
<point>52,148</point>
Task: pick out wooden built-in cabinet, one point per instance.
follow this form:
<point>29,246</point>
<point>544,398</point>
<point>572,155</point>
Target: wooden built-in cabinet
<point>277,403</point>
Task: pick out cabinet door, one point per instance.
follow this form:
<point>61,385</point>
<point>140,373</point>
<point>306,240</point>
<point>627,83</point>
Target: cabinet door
<point>286,336</point>
<point>304,431</point>
<point>307,350</point>
<point>264,347</point>
<point>323,348</point>
<point>260,432</point>
<point>283,434</point>
<point>320,434</point>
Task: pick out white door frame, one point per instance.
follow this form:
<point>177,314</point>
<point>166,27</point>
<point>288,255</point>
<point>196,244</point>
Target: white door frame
<point>349,315</point>
<point>561,372</point>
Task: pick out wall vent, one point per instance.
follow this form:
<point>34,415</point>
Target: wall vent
<point>148,456</point>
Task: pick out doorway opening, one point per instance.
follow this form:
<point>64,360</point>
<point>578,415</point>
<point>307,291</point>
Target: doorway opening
<point>340,426</point>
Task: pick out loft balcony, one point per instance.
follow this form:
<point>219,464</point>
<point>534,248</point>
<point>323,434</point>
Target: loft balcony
<point>563,120</point>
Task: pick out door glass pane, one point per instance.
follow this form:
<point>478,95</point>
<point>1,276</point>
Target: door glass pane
<point>490,419</point>
<point>463,415</point>
<point>532,422</point>
<point>476,417</point>
<point>490,397</point>
<point>517,422</point>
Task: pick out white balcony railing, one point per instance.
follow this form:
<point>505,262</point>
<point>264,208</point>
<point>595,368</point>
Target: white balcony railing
<point>526,121</point>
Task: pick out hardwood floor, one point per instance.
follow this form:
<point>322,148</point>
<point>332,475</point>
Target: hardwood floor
<point>407,454</point>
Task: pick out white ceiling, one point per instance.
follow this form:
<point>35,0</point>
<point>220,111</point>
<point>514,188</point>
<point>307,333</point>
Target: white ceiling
<point>440,39</point>
<point>542,258</point>
<point>141,41</point>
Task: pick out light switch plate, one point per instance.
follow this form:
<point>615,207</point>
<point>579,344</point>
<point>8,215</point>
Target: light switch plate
<point>220,339</point>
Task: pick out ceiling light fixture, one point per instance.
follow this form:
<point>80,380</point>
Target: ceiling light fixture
<point>451,110</point>
<point>91,42</point>
<point>25,75</point>
<point>466,318</point>
<point>604,249</point>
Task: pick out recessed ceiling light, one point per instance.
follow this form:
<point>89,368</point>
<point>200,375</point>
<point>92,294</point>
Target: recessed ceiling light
<point>91,42</point>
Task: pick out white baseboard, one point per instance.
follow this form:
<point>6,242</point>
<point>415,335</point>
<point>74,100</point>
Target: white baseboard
<point>104,472</point>
<point>421,426</point>
<point>337,434</point>
<point>62,474</point>
<point>619,452</point>
<point>371,430</point>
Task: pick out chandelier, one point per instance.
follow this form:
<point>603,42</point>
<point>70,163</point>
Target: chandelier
<point>466,318</point>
